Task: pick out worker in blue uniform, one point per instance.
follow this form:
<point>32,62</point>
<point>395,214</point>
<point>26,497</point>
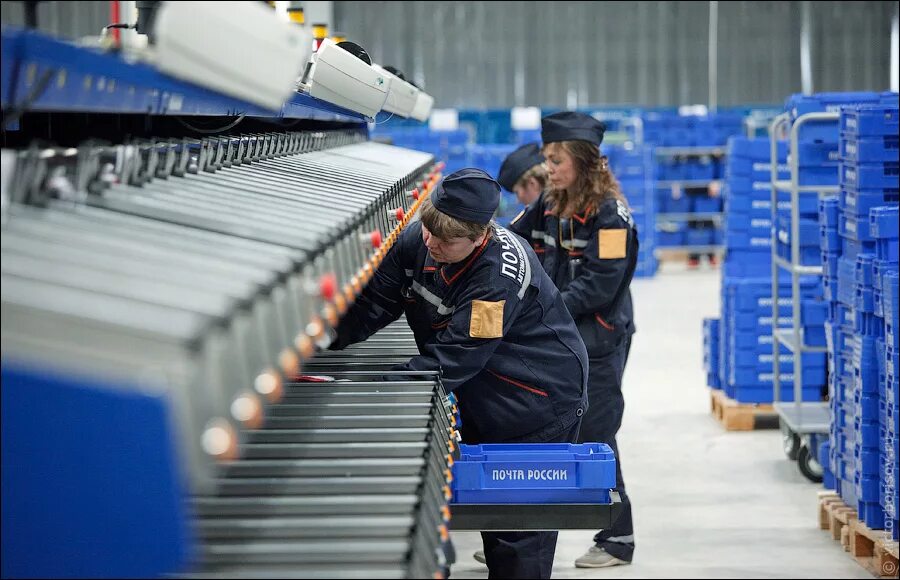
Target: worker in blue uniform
<point>485,313</point>
<point>523,173</point>
<point>582,231</point>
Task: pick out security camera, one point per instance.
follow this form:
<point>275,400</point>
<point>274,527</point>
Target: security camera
<point>424,103</point>
<point>245,51</point>
<point>341,78</point>
<point>401,97</point>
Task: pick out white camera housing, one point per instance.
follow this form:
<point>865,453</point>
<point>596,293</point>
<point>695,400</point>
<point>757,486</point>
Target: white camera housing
<point>244,51</point>
<point>422,110</point>
<point>401,96</point>
<point>341,78</point>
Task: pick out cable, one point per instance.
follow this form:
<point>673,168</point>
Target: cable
<point>202,131</point>
<point>16,111</point>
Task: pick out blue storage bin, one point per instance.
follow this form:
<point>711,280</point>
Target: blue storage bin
<point>706,204</point>
<point>830,264</point>
<point>825,175</point>
<point>817,153</point>
<point>739,166</point>
<point>800,104</point>
<point>856,203</point>
<point>870,175</point>
<point>765,394</point>
<point>868,461</point>
<point>671,205</point>
<point>857,229</point>
<point>829,211</point>
<point>870,150</point>
<point>813,312</point>
<point>534,473</point>
<point>884,223</point>
<point>869,120</point>
<point>700,237</point>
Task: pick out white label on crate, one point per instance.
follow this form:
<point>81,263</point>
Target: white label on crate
<point>834,155</point>
<point>762,186</point>
<point>530,475</point>
<point>760,242</point>
<point>768,302</point>
<point>760,223</point>
<point>525,118</point>
<point>444,120</point>
<point>765,339</point>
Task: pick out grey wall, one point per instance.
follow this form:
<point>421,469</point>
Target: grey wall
<point>67,19</point>
<point>501,54</point>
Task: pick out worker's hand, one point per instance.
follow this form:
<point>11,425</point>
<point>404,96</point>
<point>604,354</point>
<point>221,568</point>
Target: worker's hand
<point>715,188</point>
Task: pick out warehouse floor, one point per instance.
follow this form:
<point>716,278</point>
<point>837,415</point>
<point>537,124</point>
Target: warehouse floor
<point>707,503</point>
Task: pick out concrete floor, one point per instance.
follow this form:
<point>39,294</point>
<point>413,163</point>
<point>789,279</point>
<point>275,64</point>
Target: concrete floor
<point>707,503</point>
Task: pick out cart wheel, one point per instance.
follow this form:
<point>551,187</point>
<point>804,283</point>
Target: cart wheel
<point>790,440</point>
<point>809,465</point>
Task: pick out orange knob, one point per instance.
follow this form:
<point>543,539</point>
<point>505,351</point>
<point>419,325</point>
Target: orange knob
<point>376,238</point>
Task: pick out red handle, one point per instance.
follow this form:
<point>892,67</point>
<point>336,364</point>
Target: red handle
<point>328,286</point>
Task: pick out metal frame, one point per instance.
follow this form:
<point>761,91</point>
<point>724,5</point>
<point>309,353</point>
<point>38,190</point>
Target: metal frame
<point>86,80</point>
<point>803,418</point>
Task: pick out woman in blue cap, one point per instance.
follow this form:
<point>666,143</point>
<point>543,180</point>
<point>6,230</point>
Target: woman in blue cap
<point>583,232</point>
<point>523,173</point>
<point>486,315</point>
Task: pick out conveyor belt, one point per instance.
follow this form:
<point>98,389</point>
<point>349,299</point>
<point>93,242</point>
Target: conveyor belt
<point>209,273</point>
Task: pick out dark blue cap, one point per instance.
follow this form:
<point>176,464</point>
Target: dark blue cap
<point>571,126</point>
<point>517,163</point>
<point>468,194</point>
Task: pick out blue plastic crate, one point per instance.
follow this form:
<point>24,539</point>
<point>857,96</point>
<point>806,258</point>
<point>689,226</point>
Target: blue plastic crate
<point>867,323</point>
<point>830,284</point>
<point>870,175</point>
<point>756,148</point>
<point>864,274</point>
<point>879,149</point>
<point>856,203</point>
<point>534,473</point>
<point>826,174</point>
<point>816,153</point>
<point>706,204</point>
<point>813,312</point>
<point>857,229</point>
<point>809,255</point>
<point>799,104</point>
<point>869,120</point>
<point>866,405</point>
<point>830,264</point>
<point>868,461</point>
<point>884,227</point>
<point>700,236</point>
<point>880,268</point>
<point>765,394</point>
<point>829,211</point>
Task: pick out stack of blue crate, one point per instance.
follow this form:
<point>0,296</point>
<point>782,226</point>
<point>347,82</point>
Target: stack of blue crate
<point>634,170</point>
<point>889,397</point>
<point>451,147</point>
<point>711,352</point>
<point>747,314</point>
<point>858,264</point>
<point>748,206</point>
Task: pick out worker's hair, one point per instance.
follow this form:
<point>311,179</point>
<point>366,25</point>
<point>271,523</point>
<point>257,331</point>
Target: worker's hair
<point>594,183</point>
<point>538,172</point>
<point>448,227</point>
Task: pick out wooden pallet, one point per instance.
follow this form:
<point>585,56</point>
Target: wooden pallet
<point>835,516</point>
<point>872,549</point>
<point>736,416</point>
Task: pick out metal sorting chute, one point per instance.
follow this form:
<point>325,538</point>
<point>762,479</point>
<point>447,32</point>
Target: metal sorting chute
<point>206,270</point>
<point>358,463</point>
